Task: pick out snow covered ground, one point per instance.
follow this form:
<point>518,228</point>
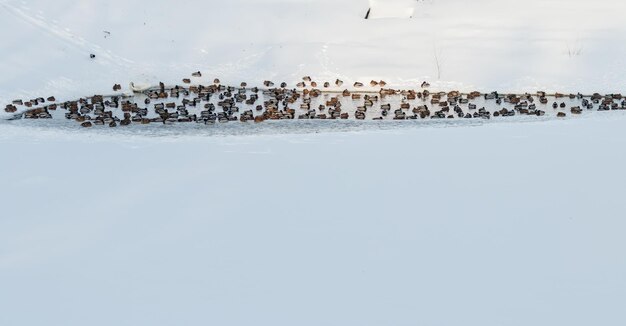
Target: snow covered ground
<point>485,45</point>
<point>475,223</point>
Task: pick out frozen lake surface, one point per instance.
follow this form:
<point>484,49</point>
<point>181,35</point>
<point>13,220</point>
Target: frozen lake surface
<point>503,224</point>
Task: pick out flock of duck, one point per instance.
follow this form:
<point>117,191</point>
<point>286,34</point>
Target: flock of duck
<point>213,103</point>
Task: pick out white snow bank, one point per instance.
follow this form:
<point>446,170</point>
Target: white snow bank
<point>508,45</point>
<point>391,8</point>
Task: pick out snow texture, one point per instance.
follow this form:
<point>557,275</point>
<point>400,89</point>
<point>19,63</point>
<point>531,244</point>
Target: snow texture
<point>485,45</point>
<point>392,9</point>
<point>511,223</point>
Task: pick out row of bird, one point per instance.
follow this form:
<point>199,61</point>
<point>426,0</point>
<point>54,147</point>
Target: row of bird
<point>220,103</point>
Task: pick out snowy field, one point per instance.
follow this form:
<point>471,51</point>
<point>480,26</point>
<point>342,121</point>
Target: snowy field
<point>499,222</point>
<point>484,45</point>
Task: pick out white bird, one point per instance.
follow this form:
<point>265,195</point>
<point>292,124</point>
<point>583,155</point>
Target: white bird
<point>139,87</point>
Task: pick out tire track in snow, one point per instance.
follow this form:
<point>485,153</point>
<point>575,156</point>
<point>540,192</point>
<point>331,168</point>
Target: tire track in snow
<point>65,35</point>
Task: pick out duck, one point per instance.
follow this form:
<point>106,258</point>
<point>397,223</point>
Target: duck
<point>278,100</point>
